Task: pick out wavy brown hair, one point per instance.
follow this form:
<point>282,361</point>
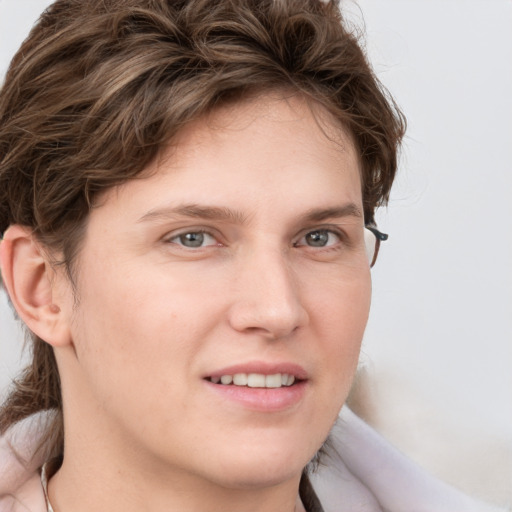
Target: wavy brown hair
<point>100,86</point>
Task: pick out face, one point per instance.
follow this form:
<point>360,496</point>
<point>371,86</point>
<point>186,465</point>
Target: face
<point>239,257</point>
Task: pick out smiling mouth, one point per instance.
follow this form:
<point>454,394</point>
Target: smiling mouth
<point>255,380</point>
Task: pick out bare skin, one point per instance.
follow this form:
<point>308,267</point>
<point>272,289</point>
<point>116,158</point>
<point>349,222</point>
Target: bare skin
<point>241,252</point>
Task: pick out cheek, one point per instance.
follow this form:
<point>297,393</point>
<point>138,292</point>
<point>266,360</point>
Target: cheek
<point>135,323</point>
<point>340,315</point>
<point>131,349</point>
<point>341,306</point>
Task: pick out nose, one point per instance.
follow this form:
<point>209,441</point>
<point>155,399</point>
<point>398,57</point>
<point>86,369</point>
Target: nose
<point>268,297</point>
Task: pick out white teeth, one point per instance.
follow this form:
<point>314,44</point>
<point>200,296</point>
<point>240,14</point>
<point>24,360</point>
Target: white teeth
<point>256,380</point>
<point>226,379</point>
<point>240,379</point>
<point>273,381</point>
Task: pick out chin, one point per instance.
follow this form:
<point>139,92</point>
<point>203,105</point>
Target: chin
<point>252,469</point>
<point>263,476</point>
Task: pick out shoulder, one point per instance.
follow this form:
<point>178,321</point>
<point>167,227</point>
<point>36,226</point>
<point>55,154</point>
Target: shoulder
<point>364,470</point>
<point>20,460</point>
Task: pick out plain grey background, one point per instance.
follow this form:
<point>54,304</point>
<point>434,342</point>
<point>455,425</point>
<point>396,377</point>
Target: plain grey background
<point>437,354</point>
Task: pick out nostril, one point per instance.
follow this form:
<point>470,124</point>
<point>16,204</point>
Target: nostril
<point>267,322</point>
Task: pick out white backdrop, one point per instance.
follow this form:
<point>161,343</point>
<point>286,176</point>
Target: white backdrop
<point>440,334</point>
<point>438,348</point>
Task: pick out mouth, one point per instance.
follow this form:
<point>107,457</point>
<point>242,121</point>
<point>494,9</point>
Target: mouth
<point>255,380</point>
<point>260,386</point>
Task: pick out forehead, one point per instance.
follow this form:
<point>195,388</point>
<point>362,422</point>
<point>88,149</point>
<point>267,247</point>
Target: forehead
<point>290,145</point>
<point>282,110</point>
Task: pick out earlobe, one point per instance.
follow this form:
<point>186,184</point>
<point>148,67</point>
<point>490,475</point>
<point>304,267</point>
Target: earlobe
<point>29,280</point>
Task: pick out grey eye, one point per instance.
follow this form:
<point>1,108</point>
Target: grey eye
<point>318,238</point>
<point>192,239</point>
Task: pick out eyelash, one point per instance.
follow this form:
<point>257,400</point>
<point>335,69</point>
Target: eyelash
<point>170,239</point>
<point>322,230</point>
<point>340,235</point>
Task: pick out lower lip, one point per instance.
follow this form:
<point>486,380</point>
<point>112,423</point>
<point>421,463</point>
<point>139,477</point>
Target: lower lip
<point>261,399</point>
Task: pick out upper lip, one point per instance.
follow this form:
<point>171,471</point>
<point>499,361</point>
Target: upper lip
<point>265,368</point>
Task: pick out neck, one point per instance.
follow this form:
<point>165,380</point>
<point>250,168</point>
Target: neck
<point>107,473</point>
<point>72,491</point>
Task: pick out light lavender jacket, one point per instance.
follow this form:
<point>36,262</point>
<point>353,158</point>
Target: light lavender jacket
<point>366,474</point>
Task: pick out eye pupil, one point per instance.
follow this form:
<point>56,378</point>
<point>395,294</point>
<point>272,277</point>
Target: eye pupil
<point>317,238</point>
<point>192,239</point>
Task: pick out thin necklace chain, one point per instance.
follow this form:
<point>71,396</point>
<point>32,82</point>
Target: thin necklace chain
<point>44,482</point>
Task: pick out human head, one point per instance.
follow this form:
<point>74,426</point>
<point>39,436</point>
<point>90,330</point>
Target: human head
<point>100,87</point>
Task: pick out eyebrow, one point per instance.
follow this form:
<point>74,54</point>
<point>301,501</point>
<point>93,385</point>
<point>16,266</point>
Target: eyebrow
<point>346,210</point>
<point>223,214</point>
<point>196,211</point>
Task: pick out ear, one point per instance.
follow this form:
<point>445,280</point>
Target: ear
<point>30,281</point>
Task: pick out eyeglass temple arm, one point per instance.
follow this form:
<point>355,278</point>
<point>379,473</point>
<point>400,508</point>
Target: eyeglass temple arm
<point>379,235</point>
